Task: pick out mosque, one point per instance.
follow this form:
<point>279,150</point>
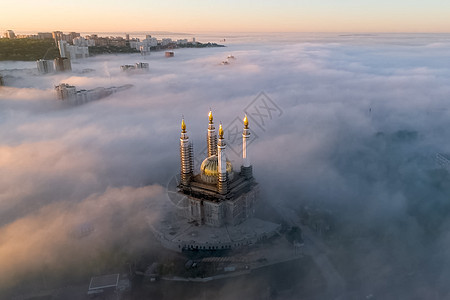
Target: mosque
<point>218,195</point>
<point>215,208</point>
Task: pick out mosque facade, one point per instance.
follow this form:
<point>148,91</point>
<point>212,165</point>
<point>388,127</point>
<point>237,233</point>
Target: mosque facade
<point>215,206</point>
<point>218,195</point>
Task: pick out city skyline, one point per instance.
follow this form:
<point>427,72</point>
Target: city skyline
<point>230,16</point>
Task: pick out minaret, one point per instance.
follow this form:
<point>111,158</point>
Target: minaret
<point>211,137</point>
<point>222,184</point>
<point>246,169</point>
<point>187,163</point>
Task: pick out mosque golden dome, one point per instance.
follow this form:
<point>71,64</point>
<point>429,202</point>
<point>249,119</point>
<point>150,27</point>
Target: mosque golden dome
<point>209,169</point>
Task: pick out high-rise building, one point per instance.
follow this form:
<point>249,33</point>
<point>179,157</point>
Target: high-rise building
<point>9,34</point>
<point>62,64</point>
<point>145,45</point>
<point>166,41</point>
<point>58,36</point>
<point>62,48</point>
<point>65,91</point>
<point>44,35</point>
<point>117,41</point>
<point>72,52</point>
<point>70,95</point>
<point>141,65</point>
<point>45,66</point>
<point>82,42</point>
<point>144,49</point>
<point>72,35</point>
<point>137,66</point>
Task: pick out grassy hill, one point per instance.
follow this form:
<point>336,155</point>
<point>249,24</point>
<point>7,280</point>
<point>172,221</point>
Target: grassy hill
<point>27,49</point>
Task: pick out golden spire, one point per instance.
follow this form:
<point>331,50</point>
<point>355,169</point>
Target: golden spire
<point>183,126</point>
<point>246,121</point>
<point>220,131</point>
<point>210,116</point>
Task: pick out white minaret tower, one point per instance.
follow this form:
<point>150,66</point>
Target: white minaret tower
<point>186,157</point>
<point>246,169</point>
<point>245,137</point>
<point>211,137</point>
<point>222,183</point>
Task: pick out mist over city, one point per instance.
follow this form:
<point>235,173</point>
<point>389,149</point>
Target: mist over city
<point>348,144</point>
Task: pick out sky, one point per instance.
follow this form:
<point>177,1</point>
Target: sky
<point>359,122</point>
<point>227,16</point>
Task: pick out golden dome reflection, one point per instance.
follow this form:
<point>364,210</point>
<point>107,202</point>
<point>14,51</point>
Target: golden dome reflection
<point>210,116</point>
<point>246,121</point>
<point>220,131</point>
<point>209,169</point>
<point>183,125</point>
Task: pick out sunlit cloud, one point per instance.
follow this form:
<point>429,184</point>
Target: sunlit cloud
<point>362,120</point>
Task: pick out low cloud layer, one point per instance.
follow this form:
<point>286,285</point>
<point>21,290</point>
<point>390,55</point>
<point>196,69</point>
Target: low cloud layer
<point>72,235</point>
<point>362,120</point>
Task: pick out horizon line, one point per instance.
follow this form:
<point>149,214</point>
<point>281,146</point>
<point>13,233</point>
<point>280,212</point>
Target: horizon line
<point>227,32</point>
